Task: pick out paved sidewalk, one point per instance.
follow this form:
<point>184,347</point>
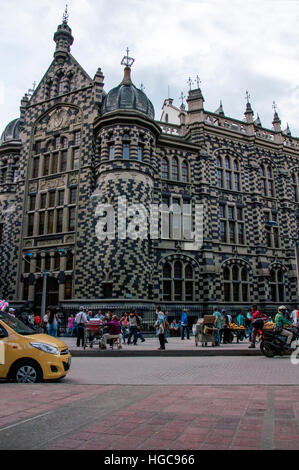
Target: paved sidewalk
<point>174,347</point>
<point>114,417</point>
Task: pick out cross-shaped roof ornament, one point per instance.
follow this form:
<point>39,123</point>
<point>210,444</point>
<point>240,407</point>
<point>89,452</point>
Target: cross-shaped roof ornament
<point>198,81</point>
<point>190,82</point>
<point>274,106</point>
<point>127,61</point>
<point>182,97</point>
<point>65,17</point>
<point>247,96</point>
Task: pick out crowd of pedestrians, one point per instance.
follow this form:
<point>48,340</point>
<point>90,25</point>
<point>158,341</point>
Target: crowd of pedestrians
<point>127,327</point>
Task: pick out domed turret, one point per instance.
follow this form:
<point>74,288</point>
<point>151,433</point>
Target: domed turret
<point>127,97</point>
<point>11,132</point>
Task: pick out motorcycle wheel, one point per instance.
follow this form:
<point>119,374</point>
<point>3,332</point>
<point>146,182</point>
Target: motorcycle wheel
<point>267,350</point>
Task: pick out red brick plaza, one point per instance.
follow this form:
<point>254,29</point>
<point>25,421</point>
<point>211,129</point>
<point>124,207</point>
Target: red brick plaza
<point>123,417</point>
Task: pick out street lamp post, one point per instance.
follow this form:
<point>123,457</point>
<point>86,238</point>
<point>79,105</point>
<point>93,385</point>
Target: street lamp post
<point>44,296</point>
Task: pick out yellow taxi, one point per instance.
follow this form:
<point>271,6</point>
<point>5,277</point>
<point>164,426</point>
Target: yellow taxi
<point>29,357</point>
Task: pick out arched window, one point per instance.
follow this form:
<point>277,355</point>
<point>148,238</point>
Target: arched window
<point>167,271</point>
<point>184,172</point>
<point>178,286</point>
<point>175,169</point>
<point>276,285</point>
<point>228,173</point>
<point>267,180</point>
<point>236,284</point>
<point>165,169</point>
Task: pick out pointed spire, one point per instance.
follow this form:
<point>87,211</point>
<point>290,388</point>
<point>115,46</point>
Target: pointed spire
<point>276,121</point>
<point>287,131</point>
<point>63,38</point>
<point>220,110</point>
<point>257,122</point>
<point>248,112</point>
<point>128,62</point>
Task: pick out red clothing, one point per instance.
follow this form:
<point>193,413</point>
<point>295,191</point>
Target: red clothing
<point>258,316</point>
<point>114,327</point>
<point>37,320</point>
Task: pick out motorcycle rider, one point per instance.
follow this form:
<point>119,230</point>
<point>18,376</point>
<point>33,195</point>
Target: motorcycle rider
<point>280,321</point>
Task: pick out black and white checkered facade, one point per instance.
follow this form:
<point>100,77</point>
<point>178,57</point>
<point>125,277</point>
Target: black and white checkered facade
<point>133,272</point>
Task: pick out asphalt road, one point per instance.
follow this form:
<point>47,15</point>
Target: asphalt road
<point>183,370</point>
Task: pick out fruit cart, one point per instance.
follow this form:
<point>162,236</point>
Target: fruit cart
<point>234,329</point>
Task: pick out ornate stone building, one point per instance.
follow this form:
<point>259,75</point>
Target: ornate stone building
<point>76,147</point>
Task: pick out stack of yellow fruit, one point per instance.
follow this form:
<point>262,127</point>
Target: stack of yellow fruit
<point>234,326</point>
<point>269,325</point>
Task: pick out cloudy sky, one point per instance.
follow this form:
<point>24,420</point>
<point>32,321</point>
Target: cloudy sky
<point>233,45</point>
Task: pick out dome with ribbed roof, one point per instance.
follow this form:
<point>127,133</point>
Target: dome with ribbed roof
<point>127,97</point>
<point>11,132</point>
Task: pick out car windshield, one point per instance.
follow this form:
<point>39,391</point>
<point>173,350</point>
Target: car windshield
<point>18,326</point>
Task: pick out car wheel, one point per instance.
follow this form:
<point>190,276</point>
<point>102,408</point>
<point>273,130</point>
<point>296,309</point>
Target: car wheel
<point>26,372</point>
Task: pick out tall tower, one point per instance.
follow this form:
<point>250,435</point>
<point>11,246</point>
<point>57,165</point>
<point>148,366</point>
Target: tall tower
<point>127,136</point>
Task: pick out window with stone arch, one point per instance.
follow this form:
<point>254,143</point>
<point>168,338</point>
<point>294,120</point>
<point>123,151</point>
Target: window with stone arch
<point>165,168</point>
<point>236,283</point>
<point>276,285</point>
<point>295,185</point>
<point>228,173</point>
<point>178,281</point>
<point>267,180</point>
<point>60,84</point>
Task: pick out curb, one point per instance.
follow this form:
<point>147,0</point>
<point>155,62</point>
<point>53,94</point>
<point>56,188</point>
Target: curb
<point>166,353</point>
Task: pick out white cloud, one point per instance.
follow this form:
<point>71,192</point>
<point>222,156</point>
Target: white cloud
<point>233,45</point>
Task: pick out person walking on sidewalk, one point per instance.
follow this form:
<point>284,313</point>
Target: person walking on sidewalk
<point>53,324</point>
<point>124,323</point>
<point>184,326</point>
<point>133,321</point>
<point>217,316</point>
<point>70,325</point>
<point>160,325</point>
<point>81,320</point>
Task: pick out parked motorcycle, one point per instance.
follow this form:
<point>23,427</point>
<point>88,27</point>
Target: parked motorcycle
<point>273,343</point>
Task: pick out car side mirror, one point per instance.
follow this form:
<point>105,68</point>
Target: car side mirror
<point>2,335</point>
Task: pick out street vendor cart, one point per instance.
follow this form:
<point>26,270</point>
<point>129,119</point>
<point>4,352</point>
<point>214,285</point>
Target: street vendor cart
<point>204,331</point>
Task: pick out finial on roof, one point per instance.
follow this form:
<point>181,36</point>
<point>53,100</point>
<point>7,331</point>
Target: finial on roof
<point>257,122</point>
<point>198,81</point>
<point>190,82</point>
<point>276,117</point>
<point>182,97</point>
<point>220,110</point>
<point>65,17</point>
<point>287,131</point>
<point>127,61</point>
